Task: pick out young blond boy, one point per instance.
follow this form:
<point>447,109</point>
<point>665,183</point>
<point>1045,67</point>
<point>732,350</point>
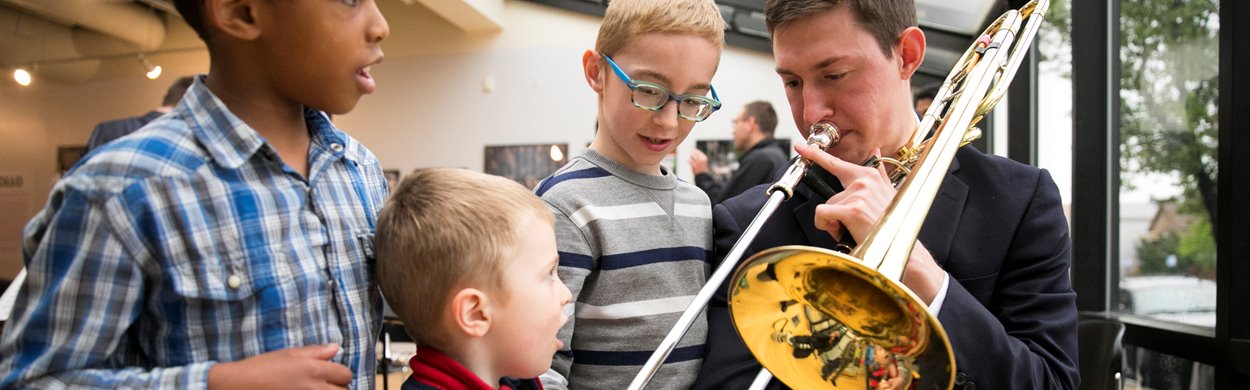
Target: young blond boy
<point>226,244</point>
<point>468,262</point>
<point>633,239</point>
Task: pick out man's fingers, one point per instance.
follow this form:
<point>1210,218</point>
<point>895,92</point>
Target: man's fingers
<point>840,168</point>
<point>334,373</point>
<point>827,219</point>
<point>319,352</point>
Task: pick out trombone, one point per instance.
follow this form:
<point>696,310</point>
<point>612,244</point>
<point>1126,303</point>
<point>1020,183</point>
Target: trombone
<point>818,318</point>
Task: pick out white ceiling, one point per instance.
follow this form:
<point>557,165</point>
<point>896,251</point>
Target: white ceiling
<point>71,41</point>
<point>78,40</point>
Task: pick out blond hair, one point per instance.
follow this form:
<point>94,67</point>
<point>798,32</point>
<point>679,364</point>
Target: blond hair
<point>443,230</point>
<point>627,19</point>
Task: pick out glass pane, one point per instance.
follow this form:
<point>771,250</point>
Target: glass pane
<point>1147,369</point>
<point>1168,121</point>
<point>1054,97</point>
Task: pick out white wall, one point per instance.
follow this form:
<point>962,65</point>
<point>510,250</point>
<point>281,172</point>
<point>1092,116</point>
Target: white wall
<point>430,108</point>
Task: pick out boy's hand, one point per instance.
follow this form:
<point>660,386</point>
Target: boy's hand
<point>295,368</point>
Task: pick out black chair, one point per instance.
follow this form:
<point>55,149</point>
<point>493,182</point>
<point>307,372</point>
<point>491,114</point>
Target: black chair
<point>1100,341</point>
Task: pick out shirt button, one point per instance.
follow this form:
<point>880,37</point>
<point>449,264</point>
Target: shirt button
<point>234,281</point>
<point>336,147</point>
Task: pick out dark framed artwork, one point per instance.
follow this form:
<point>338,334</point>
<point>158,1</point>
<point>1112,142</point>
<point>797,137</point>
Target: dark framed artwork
<point>722,159</point>
<point>68,156</point>
<point>525,164</point>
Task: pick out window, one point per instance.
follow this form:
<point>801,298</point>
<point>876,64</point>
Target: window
<point>1054,98</point>
<point>1169,78</point>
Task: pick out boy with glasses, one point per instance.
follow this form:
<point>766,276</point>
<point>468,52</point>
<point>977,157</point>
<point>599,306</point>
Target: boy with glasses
<point>633,240</point>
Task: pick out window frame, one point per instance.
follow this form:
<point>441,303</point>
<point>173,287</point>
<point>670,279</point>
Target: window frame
<point>1095,208</point>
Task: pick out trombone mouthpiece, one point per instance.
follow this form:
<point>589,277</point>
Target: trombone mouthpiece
<point>822,135</point>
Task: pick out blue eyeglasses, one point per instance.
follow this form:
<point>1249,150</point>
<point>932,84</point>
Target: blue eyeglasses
<point>652,97</point>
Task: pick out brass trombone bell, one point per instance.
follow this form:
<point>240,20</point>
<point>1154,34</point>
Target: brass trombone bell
<point>804,310</point>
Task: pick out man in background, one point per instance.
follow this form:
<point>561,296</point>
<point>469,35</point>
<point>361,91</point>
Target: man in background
<point>924,98</point>
<point>108,131</point>
<point>760,159</point>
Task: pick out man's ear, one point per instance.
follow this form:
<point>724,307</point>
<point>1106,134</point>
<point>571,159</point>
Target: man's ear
<point>910,49</point>
<point>753,123</point>
<point>592,70</point>
<point>470,312</point>
<point>233,18</point>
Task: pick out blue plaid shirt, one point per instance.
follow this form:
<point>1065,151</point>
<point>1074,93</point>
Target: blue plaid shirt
<point>189,242</point>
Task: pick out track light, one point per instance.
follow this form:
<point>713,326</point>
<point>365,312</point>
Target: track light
<point>22,77</point>
<point>556,154</point>
<point>153,71</point>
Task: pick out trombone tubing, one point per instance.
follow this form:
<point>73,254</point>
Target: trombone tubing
<point>822,135</point>
<point>722,272</point>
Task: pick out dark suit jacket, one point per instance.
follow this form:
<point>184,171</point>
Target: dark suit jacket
<point>755,167</point>
<point>106,132</point>
<point>997,227</point>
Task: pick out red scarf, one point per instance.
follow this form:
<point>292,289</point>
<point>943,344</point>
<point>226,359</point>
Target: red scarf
<point>433,368</point>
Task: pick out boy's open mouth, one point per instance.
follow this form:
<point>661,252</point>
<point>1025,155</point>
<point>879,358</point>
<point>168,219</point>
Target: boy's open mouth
<point>655,144</point>
<point>365,79</point>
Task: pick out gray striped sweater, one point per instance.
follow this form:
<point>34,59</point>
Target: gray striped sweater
<point>634,252</point>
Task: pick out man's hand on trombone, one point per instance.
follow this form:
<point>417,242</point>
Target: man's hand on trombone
<point>868,192</point>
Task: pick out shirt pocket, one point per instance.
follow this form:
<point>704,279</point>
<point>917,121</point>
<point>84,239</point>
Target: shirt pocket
<point>232,277</point>
<point>364,242</point>
<point>364,238</point>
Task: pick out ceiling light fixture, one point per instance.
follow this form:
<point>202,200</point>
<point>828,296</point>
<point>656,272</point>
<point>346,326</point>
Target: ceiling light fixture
<point>556,154</point>
<point>22,77</point>
<point>153,71</point>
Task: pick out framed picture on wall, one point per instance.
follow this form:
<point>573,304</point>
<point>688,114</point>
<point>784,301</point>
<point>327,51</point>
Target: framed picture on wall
<point>525,164</point>
<point>67,156</point>
<point>722,159</point>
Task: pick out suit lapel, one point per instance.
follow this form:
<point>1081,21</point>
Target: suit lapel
<point>805,213</point>
<point>938,231</point>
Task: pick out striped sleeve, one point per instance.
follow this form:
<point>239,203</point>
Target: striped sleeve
<point>576,262</point>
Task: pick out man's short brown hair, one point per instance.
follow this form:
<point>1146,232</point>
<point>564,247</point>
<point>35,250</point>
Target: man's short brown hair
<point>764,115</point>
<point>883,19</point>
<point>442,230</point>
<point>625,20</point>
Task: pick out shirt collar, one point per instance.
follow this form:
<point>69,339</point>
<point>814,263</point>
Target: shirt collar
<point>231,142</point>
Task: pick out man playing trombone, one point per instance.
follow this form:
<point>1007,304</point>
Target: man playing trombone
<point>993,254</point>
